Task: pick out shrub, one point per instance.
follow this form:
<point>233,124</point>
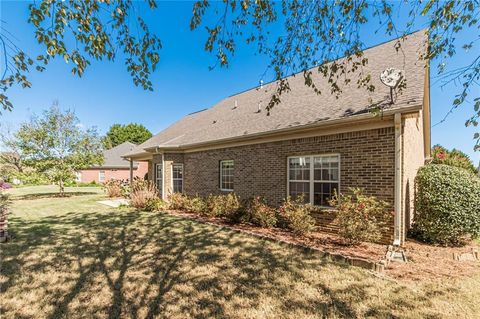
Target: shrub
<point>4,210</point>
<point>447,205</point>
<point>31,177</point>
<point>113,188</point>
<point>222,206</point>
<point>360,217</point>
<point>295,215</point>
<point>457,158</point>
<point>178,201</point>
<point>155,205</point>
<point>257,212</point>
<point>142,192</point>
<point>5,185</point>
<point>196,205</point>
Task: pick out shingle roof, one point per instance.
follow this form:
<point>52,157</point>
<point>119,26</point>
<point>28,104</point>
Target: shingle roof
<point>113,157</point>
<point>302,106</point>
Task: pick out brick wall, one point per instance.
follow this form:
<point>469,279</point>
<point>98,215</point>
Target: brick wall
<point>366,160</point>
<point>90,175</point>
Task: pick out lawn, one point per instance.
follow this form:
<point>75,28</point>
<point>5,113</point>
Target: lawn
<point>74,258</point>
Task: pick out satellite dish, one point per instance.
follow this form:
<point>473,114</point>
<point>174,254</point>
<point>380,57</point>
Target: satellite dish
<point>391,77</point>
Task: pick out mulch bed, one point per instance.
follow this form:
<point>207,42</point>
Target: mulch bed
<point>425,262</point>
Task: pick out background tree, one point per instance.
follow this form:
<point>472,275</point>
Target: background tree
<point>441,155</point>
<point>133,132</point>
<point>57,146</point>
<point>313,34</point>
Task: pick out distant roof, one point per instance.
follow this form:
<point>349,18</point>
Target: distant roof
<point>113,157</point>
<point>237,116</point>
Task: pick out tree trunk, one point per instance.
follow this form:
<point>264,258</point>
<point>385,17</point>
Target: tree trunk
<point>62,188</point>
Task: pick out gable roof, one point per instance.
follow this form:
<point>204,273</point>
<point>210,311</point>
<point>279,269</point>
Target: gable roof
<point>302,107</point>
<point>113,157</point>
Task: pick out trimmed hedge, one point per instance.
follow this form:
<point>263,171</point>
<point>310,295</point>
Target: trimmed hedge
<point>447,205</point>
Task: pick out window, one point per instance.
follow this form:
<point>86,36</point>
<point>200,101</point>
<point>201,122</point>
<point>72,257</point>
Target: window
<point>315,177</point>
<point>177,178</point>
<point>101,176</point>
<point>158,176</point>
<point>226,175</point>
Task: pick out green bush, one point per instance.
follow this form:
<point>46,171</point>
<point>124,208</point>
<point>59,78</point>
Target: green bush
<point>360,217</point>
<point>257,212</point>
<point>154,205</point>
<point>222,206</point>
<point>447,205</point>
<point>295,215</point>
<point>196,205</point>
<point>31,177</point>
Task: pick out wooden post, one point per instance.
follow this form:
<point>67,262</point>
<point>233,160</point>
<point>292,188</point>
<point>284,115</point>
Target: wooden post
<point>131,171</point>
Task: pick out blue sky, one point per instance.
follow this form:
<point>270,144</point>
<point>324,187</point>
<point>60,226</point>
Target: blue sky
<point>183,82</point>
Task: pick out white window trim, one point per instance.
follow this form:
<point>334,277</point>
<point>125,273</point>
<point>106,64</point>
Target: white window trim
<point>220,176</point>
<point>312,175</point>
<point>183,175</point>
<point>99,174</point>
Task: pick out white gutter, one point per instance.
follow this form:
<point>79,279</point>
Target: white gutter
<point>398,236</point>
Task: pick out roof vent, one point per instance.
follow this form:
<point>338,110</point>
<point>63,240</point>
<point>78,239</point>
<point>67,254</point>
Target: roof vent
<point>214,121</point>
<point>261,84</point>
<point>235,105</point>
<point>259,107</point>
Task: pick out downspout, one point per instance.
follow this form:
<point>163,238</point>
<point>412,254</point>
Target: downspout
<point>397,240</point>
<point>163,176</point>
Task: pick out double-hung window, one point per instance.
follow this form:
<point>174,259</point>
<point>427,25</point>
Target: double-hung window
<point>158,176</point>
<point>177,178</point>
<point>226,175</point>
<point>315,177</point>
<point>101,176</point>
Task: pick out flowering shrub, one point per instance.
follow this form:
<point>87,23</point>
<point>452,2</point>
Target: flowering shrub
<point>447,205</point>
<point>257,212</point>
<point>5,185</point>
<point>222,205</point>
<point>295,215</point>
<point>440,155</point>
<point>360,217</point>
<point>142,192</point>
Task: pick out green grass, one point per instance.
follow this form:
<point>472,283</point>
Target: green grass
<point>74,258</point>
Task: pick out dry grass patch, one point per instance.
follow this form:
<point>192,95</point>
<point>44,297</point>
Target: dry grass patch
<point>73,258</point>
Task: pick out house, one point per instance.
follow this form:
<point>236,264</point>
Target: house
<point>309,144</point>
<point>114,166</point>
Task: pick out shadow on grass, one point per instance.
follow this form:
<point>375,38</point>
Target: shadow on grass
<point>52,195</point>
<point>158,265</point>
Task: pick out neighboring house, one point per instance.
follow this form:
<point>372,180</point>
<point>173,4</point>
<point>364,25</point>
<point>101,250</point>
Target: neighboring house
<point>309,144</point>
<point>114,166</point>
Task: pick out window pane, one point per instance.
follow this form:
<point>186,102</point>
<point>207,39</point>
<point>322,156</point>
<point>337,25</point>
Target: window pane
<point>323,192</point>
<point>300,188</point>
<point>177,186</point>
